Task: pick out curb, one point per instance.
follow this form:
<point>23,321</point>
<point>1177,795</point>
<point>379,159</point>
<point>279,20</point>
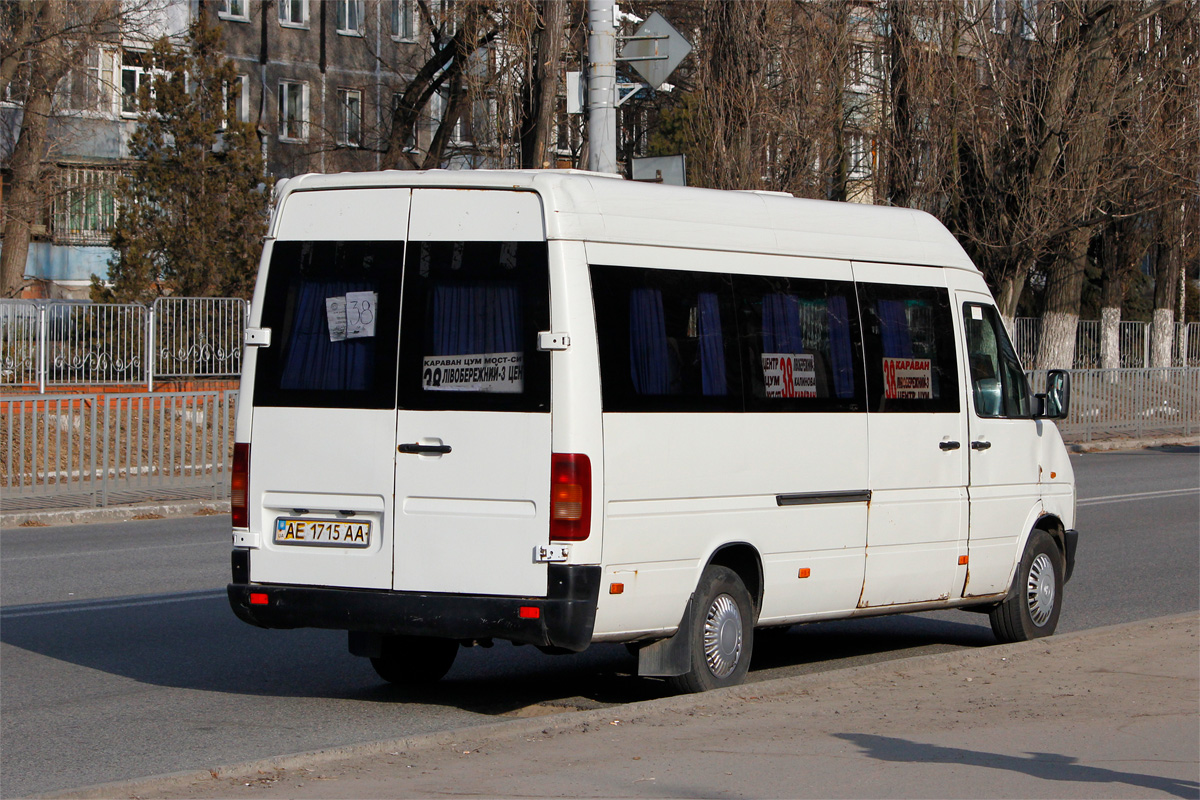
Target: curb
<point>1108,445</point>
<point>184,508</point>
<point>571,720</point>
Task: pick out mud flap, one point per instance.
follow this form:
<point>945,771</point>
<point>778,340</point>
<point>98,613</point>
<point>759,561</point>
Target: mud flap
<point>669,657</point>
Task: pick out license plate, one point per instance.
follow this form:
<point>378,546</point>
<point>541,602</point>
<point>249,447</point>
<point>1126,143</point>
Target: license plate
<point>323,532</point>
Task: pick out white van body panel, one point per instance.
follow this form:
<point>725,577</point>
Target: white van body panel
<point>357,214</point>
<point>468,521</point>
<point>919,508</point>
<point>339,460</point>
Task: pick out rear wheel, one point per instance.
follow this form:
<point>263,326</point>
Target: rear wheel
<point>409,660</point>
<point>1032,608</point>
<point>722,631</point>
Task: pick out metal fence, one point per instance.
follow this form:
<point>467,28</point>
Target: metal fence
<point>59,451</point>
<point>1133,337</point>
<point>1109,403</point>
<point>63,343</point>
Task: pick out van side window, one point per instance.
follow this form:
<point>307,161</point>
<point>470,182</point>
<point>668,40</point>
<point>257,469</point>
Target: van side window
<point>910,353</point>
<point>800,341</point>
<point>998,384</point>
<point>333,309</point>
<point>666,340</point>
<point>469,325</point>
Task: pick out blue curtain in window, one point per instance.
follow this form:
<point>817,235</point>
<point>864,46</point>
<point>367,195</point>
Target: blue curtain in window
<point>476,318</point>
<point>649,357</point>
<point>312,361</point>
<point>840,353</point>
<point>893,322</point>
<point>712,346</point>
<point>781,324</point>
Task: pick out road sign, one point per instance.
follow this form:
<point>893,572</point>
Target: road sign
<point>655,50</point>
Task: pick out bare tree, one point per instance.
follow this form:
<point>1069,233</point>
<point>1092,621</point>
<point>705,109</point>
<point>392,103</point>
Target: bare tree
<point>41,41</point>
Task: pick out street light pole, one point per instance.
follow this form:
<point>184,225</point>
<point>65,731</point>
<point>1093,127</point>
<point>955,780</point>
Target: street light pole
<point>602,86</point>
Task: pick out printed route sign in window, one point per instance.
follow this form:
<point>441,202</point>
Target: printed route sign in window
<point>789,374</point>
<point>907,379</point>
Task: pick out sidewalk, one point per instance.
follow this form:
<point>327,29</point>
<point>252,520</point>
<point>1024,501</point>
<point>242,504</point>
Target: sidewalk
<point>1113,712</point>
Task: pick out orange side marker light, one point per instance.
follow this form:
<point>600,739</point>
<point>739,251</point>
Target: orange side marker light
<point>616,588</point>
<point>962,561</point>
<point>804,572</point>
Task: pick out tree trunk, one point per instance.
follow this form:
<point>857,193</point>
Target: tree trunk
<point>1008,297</point>
<point>1112,291</point>
<point>1061,319</point>
<point>543,91</point>
<point>1166,279</point>
<point>25,201</point>
<point>901,165</point>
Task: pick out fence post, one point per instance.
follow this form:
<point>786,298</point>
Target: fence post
<point>41,349</point>
<point>150,350</point>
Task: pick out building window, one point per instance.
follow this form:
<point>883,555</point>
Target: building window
<point>403,20</point>
<point>349,117</point>
<point>135,70</point>
<point>234,9</point>
<point>84,207</point>
<point>350,17</point>
<point>293,111</point>
<point>237,101</point>
<point>87,86</point>
<point>410,141</point>
<point>860,156</point>
<point>293,13</point>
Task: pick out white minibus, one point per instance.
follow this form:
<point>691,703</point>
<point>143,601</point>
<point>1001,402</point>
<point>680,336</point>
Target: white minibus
<point>559,407</point>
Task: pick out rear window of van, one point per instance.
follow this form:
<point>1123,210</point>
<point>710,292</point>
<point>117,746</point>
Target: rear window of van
<point>333,311</point>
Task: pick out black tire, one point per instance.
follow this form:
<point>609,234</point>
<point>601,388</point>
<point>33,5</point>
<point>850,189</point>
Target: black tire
<point>414,660</point>
<point>722,633</point>
<point>1032,608</point>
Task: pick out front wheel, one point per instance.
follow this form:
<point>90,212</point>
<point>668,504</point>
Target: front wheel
<point>411,660</point>
<point>1032,608</point>
<point>722,633</point>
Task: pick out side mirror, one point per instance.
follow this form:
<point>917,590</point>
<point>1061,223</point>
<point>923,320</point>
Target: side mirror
<point>1056,401</point>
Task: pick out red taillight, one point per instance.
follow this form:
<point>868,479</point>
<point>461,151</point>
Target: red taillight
<point>239,486</point>
<point>259,599</point>
<point>570,497</point>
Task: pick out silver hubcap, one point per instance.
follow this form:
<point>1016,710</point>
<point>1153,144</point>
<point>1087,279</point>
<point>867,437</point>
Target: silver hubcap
<point>1040,590</point>
<point>723,636</point>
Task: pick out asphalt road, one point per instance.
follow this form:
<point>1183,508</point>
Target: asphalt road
<point>119,656</point>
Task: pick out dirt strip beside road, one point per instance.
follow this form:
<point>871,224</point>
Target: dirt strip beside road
<point>1109,712</point>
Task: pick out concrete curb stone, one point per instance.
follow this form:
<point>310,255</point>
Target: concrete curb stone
<point>183,508</point>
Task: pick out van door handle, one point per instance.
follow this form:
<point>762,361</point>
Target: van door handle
<point>980,445</point>
<point>949,445</point>
<point>414,448</point>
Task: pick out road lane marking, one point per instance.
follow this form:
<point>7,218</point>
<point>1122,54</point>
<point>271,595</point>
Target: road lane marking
<point>107,604</point>
<point>1125,498</point>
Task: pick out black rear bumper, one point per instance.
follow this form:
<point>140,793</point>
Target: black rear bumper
<point>564,618</point>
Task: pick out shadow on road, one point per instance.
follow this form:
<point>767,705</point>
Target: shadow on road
<point>193,641</point>
<point>1045,766</point>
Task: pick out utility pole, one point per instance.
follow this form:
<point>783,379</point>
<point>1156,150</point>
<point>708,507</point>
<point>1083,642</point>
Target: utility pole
<point>602,86</point>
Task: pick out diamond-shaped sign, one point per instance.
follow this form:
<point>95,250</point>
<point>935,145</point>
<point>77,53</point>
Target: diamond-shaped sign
<point>655,50</point>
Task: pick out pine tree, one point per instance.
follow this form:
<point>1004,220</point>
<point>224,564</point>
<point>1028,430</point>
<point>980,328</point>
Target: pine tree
<point>192,210</point>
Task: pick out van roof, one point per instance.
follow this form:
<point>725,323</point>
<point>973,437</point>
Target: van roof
<point>598,207</point>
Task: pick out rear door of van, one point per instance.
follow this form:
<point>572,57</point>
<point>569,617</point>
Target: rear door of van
<point>472,433</point>
<point>322,456</point>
